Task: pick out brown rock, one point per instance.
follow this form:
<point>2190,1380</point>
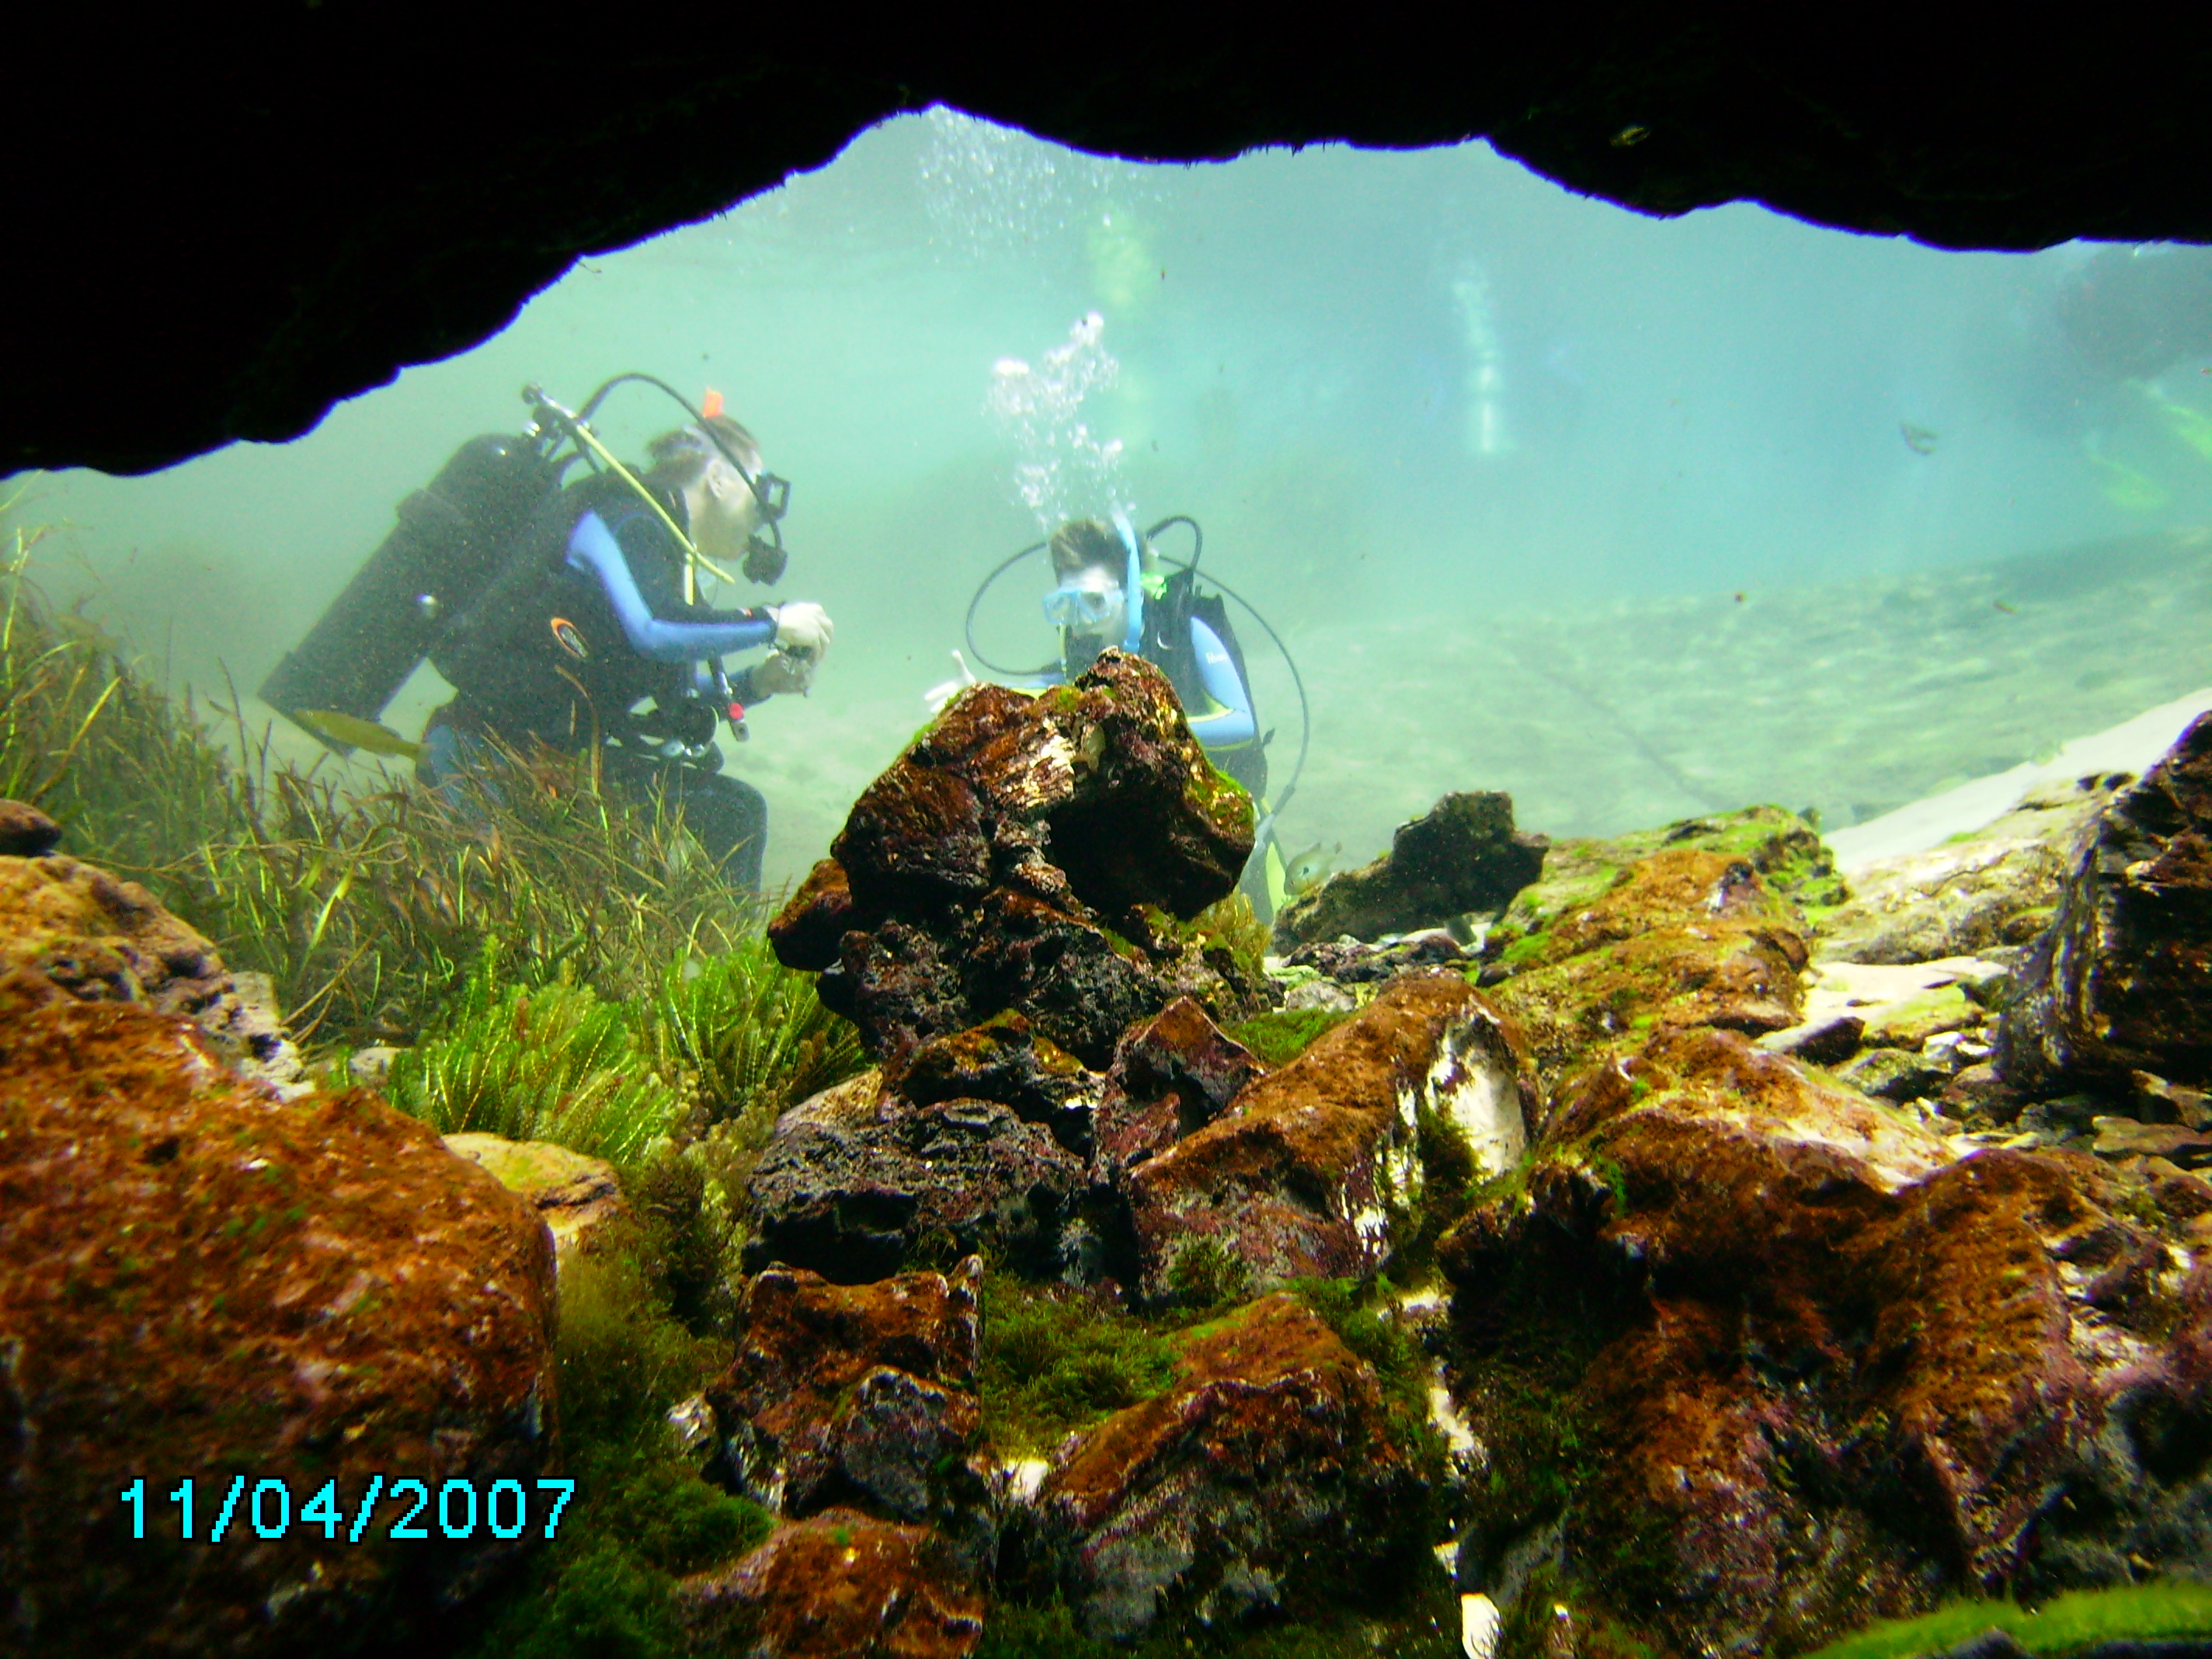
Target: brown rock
<point>1269,1472</point>
<point>1005,1060</point>
<point>1172,1075</point>
<point>575,1196</point>
<point>973,875</point>
<point>861,1395</point>
<point>1682,938</point>
<point>2122,980</point>
<point>1304,1174</point>
<point>854,1183</point>
<point>1464,856</point>
<point>839,1585</point>
<point>1836,1372</point>
<point>92,938</point>
<point>25,832</point>
<point>807,932</point>
<point>198,1280</point>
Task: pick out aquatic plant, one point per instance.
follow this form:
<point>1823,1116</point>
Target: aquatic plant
<point>1054,1361</point>
<point>546,1063</point>
<point>752,1032</point>
<point>1281,1035</point>
<point>2164,1609</point>
<point>366,906</point>
<point>642,1516</point>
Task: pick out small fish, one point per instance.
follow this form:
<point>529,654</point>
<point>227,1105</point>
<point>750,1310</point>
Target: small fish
<point>354,732</point>
<point>2009,610</point>
<point>1918,439</point>
<point>1310,868</point>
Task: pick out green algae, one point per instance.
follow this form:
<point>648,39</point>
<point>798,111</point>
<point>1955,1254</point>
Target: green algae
<point>1054,1361</point>
<point>641,1516</point>
<point>1281,1035</point>
<point>2077,1620</point>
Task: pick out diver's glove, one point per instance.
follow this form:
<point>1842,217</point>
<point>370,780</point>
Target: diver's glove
<point>802,629</point>
<point>938,696</point>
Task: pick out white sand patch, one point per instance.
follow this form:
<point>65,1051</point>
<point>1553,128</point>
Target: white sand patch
<point>2131,746</point>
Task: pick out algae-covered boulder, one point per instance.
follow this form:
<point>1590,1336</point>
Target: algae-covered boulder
<point>1463,855</point>
<point>290,1306</point>
<point>1011,857</point>
<point>1677,939</point>
<point>1994,888</point>
<point>1268,1478</point>
<point>1787,1364</point>
<point>1307,1171</point>
<point>839,1585</point>
<point>576,1196</point>
<point>2122,982</point>
<point>857,1182</point>
<point>859,1395</point>
<point>93,936</point>
<point>1009,860</point>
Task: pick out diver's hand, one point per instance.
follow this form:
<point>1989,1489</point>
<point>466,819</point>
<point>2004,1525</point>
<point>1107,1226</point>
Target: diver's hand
<point>781,673</point>
<point>803,630</point>
<point>938,696</point>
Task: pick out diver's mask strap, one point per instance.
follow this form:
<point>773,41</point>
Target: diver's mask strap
<point>1133,635</point>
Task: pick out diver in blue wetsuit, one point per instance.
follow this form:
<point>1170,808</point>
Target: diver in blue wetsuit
<point>1113,592</point>
<point>600,612</point>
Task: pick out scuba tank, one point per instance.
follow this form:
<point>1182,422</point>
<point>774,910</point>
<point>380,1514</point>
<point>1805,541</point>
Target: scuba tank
<point>452,537</point>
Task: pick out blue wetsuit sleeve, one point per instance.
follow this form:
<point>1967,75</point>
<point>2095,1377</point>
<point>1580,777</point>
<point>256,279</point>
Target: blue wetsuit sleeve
<point>593,552</point>
<point>1232,723</point>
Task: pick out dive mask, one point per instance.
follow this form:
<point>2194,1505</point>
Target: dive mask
<point>1092,603</point>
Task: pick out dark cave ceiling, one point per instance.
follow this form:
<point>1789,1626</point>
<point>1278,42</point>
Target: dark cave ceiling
<point>226,222</point>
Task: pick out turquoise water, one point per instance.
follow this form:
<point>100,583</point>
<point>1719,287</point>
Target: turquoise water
<point>1497,461</point>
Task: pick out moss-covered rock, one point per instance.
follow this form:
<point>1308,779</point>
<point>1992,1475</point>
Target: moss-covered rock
<point>1678,940</point>
<point>1463,855</point>
<point>1265,1480</point>
<point>201,1283</point>
<point>1306,1174</point>
<point>1782,1362</point>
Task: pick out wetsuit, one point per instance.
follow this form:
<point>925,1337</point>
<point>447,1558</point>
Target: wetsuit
<point>588,623</point>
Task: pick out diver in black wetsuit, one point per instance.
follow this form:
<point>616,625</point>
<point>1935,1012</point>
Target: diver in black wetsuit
<point>601,611</point>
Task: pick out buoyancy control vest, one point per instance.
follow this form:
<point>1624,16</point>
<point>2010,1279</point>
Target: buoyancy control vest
<point>1166,644</point>
<point>453,537</point>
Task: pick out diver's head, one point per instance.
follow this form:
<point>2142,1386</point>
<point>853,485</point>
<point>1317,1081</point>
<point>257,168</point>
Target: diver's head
<point>1090,604</point>
<point>733,508</point>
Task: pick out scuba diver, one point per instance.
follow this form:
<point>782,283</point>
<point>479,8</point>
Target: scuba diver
<point>1116,590</point>
<point>554,612</point>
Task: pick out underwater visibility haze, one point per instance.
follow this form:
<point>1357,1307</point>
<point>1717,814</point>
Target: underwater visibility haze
<point>1471,444</point>
<point>1685,1138</point>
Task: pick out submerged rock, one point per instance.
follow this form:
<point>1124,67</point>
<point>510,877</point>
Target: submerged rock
<point>1305,1173</point>
<point>1464,856</point>
<point>1007,860</point>
<point>91,936</point>
<point>2122,982</point>
<point>1989,891</point>
<point>839,1585</point>
<point>1267,1478</point>
<point>577,1197</point>
<point>857,1184</point>
<point>1680,940</point>
<point>25,832</point>
<point>862,1397</point>
<point>1824,1371</point>
<point>199,1282</point>
<point>1172,1076</point>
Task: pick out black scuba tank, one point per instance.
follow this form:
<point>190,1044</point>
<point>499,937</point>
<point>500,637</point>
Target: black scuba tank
<point>452,537</point>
